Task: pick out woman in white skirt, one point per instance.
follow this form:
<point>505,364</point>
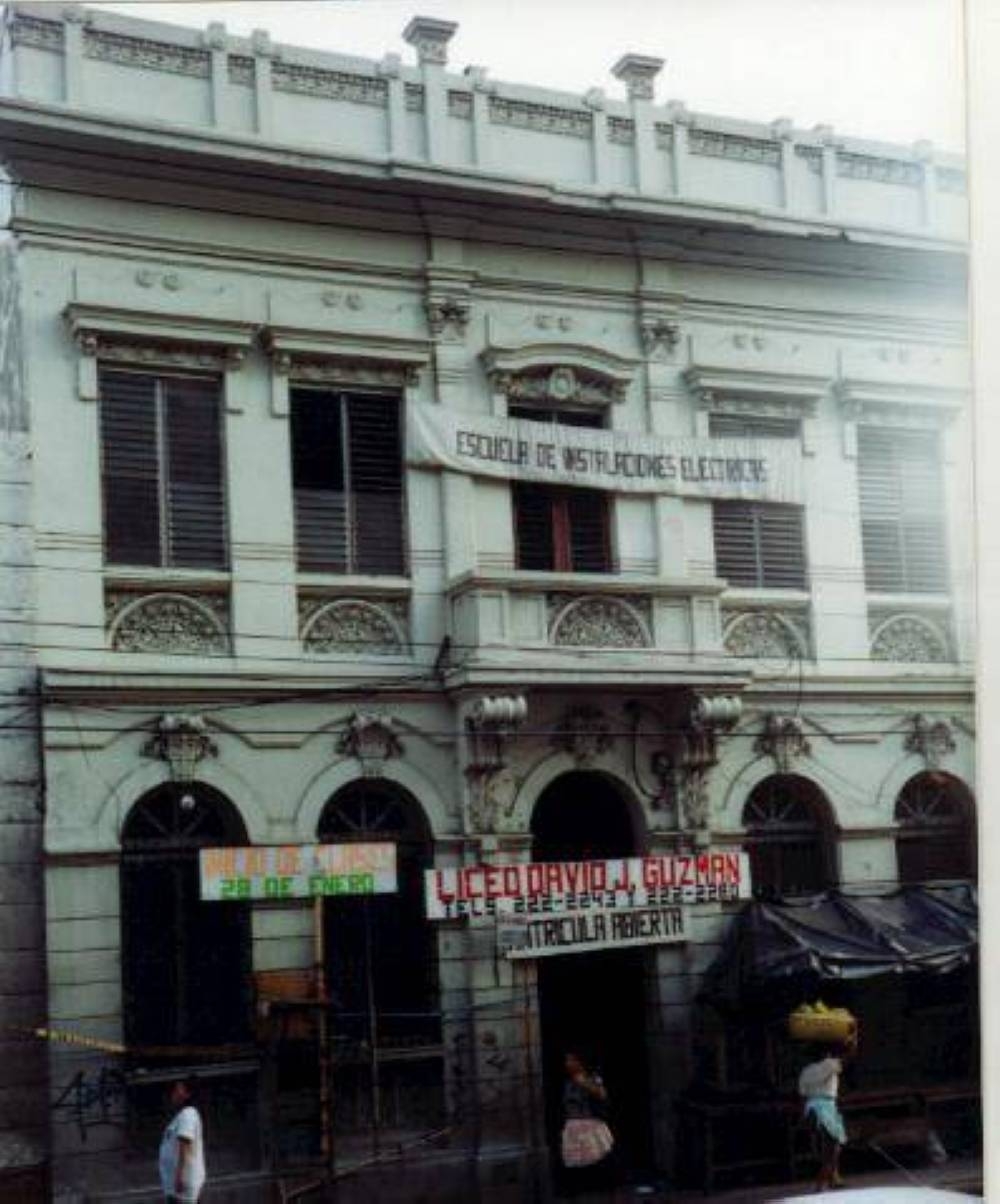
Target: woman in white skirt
<point>587,1142</point>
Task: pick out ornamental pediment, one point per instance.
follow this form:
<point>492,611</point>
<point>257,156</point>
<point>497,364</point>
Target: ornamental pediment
<point>887,382</point>
<point>758,364</point>
<point>558,373</point>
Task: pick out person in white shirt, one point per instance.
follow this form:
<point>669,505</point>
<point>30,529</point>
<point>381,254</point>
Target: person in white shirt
<point>182,1150</point>
<point>819,1086</point>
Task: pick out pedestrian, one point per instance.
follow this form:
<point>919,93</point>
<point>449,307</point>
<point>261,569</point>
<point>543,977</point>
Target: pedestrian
<point>182,1150</point>
<point>819,1086</point>
<point>587,1143</point>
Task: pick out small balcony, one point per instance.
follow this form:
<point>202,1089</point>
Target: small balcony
<point>571,628</point>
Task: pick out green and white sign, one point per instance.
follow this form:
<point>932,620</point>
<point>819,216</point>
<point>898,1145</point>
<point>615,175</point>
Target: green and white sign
<point>304,871</point>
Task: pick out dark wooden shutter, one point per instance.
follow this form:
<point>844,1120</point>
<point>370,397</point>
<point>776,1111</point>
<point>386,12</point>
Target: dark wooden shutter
<point>376,484</point>
<point>533,527</point>
<point>130,468</point>
<point>318,486</point>
<point>902,507</point>
<point>759,546</point>
<point>587,522</point>
<point>195,498</point>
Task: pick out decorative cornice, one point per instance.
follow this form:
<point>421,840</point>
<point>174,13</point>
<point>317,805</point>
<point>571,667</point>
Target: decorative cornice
<point>90,324</point>
<point>32,31</point>
<point>329,355</point>
<point>717,145</point>
<point>547,119</point>
<point>879,169</point>
<point>331,85</point>
<point>147,54</point>
<point>714,384</point>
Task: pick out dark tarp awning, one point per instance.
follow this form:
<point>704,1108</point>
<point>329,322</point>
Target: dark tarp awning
<point>840,936</point>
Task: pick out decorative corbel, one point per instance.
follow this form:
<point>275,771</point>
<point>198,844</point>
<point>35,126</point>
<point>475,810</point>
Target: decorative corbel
<point>369,737</point>
<point>784,740</point>
<point>693,755</point>
<point>281,370</point>
<point>491,724</point>
<point>448,317</point>
<point>584,733</point>
<point>182,742</point>
<point>659,335</point>
<point>87,344</point>
<point>929,740</point>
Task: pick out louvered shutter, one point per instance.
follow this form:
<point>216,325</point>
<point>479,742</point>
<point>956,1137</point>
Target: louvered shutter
<point>902,505</point>
<point>533,527</point>
<point>320,497</point>
<point>759,546</point>
<point>195,500</point>
<point>738,426</point>
<point>130,468</point>
<point>586,511</point>
<point>376,484</point>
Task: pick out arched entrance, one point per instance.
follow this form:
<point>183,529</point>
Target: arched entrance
<point>936,836</point>
<point>594,1003</point>
<point>382,972</point>
<point>185,963</point>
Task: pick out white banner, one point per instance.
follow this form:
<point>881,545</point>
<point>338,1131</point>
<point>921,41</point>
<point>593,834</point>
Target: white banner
<point>763,470</point>
<point>583,932</point>
<point>297,871</point>
<point>561,887</point>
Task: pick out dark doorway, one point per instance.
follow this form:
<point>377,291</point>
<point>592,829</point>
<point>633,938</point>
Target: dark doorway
<point>594,1003</point>
<point>382,973</point>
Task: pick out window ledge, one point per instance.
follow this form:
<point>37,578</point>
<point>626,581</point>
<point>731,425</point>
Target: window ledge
<point>351,583</point>
<point>167,578</point>
<point>523,581</point>
<point>767,597</point>
<point>935,601</point>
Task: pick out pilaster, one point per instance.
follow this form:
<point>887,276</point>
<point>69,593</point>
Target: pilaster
<point>430,38</point>
<point>638,72</point>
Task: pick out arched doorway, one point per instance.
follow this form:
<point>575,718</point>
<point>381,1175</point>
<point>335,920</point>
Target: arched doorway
<point>788,837</point>
<point>382,971</point>
<point>594,1003</point>
<point>185,963</point>
<point>186,971</point>
<point>936,836</point>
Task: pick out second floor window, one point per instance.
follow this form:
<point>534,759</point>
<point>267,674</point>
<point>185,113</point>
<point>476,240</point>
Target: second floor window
<point>758,545</point>
<point>558,529</point>
<point>902,508</point>
<point>162,470</point>
<point>347,480</point>
<point>561,530</point>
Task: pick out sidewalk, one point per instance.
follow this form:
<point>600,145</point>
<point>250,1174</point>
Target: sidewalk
<point>958,1175</point>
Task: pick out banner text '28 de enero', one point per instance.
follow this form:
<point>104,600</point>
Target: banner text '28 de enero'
<point>564,886</point>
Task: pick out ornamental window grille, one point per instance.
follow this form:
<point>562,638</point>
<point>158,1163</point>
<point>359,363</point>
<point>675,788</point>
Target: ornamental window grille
<point>347,482</point>
<point>185,963</point>
<point>382,970</point>
<point>556,529</point>
<point>758,545</point>
<point>936,835</point>
<point>902,508</point>
<point>788,837</point>
<point>162,453</point>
